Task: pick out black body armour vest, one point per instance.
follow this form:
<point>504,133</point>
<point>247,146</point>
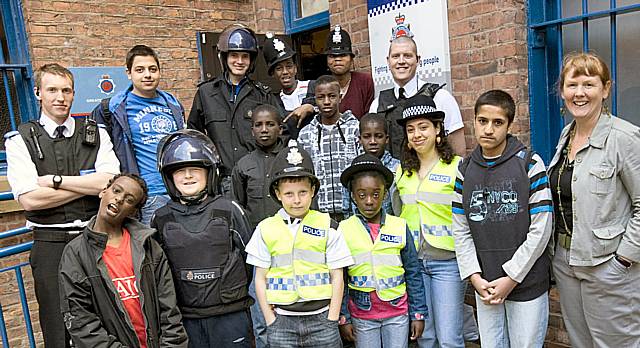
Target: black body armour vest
<point>206,258</point>
<point>66,156</point>
<point>392,109</point>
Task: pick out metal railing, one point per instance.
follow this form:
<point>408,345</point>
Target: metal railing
<point>17,269</point>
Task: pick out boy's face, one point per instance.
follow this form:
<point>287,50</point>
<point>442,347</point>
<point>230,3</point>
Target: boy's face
<point>265,128</point>
<point>285,72</point>
<point>238,63</point>
<point>373,138</point>
<point>120,200</point>
<point>491,127</point>
<point>328,99</point>
<point>368,192</point>
<point>190,181</point>
<point>295,197</point>
<point>144,75</point>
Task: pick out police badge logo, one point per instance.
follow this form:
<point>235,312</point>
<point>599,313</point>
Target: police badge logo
<point>106,85</point>
<point>190,275</point>
<point>337,38</point>
<point>401,29</point>
<point>294,157</point>
<point>278,45</point>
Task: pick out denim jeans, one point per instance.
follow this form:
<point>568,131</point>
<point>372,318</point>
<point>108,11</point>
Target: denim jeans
<point>445,298</point>
<point>390,332</point>
<point>304,331</point>
<point>259,325</point>
<point>514,324</point>
<point>153,203</point>
<point>224,330</point>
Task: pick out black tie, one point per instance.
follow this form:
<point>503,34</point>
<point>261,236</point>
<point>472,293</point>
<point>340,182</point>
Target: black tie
<point>60,132</point>
<point>401,94</point>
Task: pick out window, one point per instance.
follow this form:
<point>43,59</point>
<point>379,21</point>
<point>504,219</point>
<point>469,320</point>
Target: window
<point>556,27</point>
<point>302,15</point>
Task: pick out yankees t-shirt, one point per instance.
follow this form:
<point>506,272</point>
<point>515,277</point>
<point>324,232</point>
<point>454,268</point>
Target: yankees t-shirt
<point>120,266</point>
<point>150,120</point>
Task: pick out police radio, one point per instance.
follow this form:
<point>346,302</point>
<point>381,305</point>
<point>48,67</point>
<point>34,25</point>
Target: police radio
<point>90,131</point>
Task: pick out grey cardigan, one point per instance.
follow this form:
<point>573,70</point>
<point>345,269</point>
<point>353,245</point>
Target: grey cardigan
<point>606,193</point>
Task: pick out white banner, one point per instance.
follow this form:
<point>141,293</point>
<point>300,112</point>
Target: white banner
<point>427,21</point>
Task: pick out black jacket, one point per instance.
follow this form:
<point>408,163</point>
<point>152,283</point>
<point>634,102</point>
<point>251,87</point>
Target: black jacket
<point>91,306</point>
<point>226,117</point>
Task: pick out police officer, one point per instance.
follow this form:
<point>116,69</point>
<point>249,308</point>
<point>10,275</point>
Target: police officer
<point>57,165</point>
<point>203,235</point>
<point>222,106</point>
<point>298,98</point>
<point>403,62</point>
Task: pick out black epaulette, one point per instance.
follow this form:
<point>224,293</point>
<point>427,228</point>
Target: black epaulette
<point>262,87</point>
<point>205,81</point>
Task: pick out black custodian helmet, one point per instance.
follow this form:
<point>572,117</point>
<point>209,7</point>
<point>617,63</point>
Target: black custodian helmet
<point>237,37</point>
<point>275,51</point>
<point>292,162</point>
<point>187,148</point>
<point>338,42</point>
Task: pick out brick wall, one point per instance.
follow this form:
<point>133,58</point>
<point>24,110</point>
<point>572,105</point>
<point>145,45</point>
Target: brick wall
<point>99,33</point>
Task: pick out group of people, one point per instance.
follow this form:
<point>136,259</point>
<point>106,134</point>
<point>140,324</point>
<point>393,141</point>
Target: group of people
<point>299,219</point>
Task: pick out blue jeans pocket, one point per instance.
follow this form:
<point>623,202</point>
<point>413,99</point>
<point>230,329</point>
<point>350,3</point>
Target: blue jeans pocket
<point>361,299</point>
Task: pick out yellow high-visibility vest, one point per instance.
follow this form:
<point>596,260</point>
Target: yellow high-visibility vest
<point>298,265</point>
<point>426,204</point>
<point>378,265</point>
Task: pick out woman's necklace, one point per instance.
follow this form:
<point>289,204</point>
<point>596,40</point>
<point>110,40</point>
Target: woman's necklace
<point>343,90</point>
<point>566,164</point>
<point>422,173</point>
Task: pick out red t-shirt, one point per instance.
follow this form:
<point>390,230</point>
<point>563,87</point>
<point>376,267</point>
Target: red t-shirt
<point>380,309</point>
<point>120,266</point>
<point>359,95</point>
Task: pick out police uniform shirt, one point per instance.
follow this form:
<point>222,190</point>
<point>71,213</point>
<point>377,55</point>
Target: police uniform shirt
<point>443,99</point>
<point>23,175</point>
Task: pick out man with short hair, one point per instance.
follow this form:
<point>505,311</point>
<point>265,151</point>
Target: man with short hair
<point>298,98</point>
<point>137,118</point>
<point>57,165</point>
<point>403,61</point>
<point>222,106</point>
<point>356,88</point>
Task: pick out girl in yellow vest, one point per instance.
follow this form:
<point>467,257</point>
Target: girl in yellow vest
<point>425,183</point>
<point>299,256</point>
<point>385,288</point>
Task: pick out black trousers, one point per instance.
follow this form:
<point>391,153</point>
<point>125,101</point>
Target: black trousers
<point>45,258</point>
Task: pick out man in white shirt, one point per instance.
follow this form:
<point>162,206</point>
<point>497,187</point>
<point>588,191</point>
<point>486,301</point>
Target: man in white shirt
<point>403,61</point>
<point>56,168</point>
<point>297,96</point>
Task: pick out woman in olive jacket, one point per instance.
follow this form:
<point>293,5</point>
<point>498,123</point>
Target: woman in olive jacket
<point>595,181</point>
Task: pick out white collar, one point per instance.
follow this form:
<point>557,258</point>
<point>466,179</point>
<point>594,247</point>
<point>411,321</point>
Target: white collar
<point>50,126</point>
<point>410,88</point>
<point>286,217</point>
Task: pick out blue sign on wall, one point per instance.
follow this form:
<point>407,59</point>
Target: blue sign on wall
<point>93,84</point>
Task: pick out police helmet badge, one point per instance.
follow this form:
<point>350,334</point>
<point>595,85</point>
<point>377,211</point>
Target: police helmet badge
<point>401,29</point>
<point>279,46</point>
<point>337,37</point>
<point>106,84</point>
<point>294,157</point>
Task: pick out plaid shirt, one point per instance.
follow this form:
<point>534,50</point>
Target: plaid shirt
<point>349,205</point>
<point>332,148</point>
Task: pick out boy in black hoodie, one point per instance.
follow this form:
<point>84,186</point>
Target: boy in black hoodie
<point>502,222</point>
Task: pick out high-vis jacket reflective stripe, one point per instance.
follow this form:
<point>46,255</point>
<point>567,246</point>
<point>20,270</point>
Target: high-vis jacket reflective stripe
<point>378,266</point>
<point>426,204</point>
<point>298,266</point>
